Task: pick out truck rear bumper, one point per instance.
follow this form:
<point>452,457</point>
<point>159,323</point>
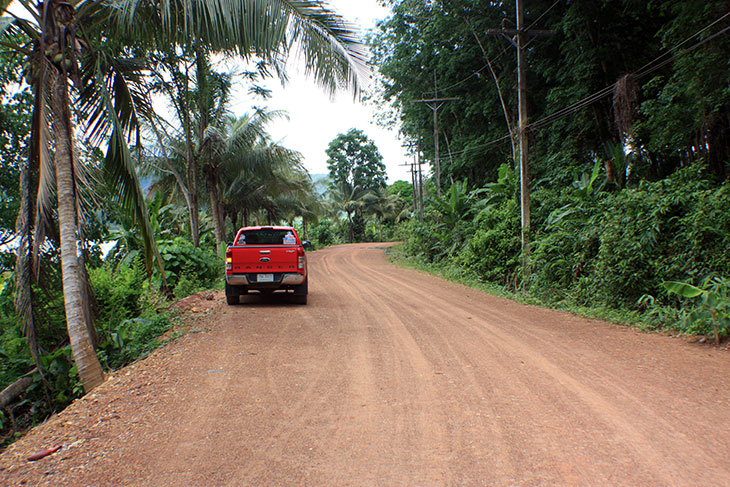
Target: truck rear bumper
<point>251,280</point>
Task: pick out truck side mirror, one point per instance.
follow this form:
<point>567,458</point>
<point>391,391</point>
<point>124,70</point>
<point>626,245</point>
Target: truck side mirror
<point>307,244</point>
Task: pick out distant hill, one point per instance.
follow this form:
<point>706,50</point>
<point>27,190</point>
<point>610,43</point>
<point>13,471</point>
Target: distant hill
<point>321,183</point>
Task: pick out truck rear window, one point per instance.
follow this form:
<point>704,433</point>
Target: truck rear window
<point>267,237</point>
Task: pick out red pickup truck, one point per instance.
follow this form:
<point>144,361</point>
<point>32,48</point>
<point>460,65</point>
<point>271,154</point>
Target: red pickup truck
<point>266,259</point>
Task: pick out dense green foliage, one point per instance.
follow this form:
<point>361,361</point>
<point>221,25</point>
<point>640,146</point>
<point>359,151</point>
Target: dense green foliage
<point>15,114</point>
<point>590,249</point>
<point>130,317</point>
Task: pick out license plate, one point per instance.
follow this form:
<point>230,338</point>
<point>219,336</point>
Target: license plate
<point>265,278</point>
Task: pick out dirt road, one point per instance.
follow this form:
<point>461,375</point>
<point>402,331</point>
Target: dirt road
<point>390,377</point>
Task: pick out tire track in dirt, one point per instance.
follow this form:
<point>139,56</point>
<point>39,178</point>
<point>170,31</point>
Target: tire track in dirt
<point>379,354</point>
<point>464,370</point>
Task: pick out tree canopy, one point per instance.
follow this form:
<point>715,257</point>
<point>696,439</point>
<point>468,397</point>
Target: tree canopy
<point>355,160</point>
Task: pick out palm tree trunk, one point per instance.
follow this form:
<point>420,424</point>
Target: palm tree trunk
<point>352,230</point>
<point>84,355</point>
<point>192,167</point>
<point>215,209</point>
<point>234,223</point>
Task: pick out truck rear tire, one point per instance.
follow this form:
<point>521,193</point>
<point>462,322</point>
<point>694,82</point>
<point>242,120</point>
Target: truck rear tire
<point>232,294</point>
<point>300,293</point>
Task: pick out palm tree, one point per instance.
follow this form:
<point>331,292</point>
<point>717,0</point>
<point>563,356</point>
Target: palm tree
<point>254,172</point>
<point>241,148</point>
<point>63,34</point>
<point>351,200</point>
<point>59,44</point>
<point>383,206</point>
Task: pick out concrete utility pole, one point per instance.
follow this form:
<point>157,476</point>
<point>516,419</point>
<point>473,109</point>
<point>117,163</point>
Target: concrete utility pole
<point>434,104</point>
<point>517,39</point>
<point>420,180</point>
<point>412,146</point>
<point>522,100</point>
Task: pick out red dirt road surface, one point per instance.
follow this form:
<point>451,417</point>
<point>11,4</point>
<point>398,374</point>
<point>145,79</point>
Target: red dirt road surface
<point>391,377</point>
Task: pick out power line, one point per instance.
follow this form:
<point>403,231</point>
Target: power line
<point>686,40</point>
<point>543,14</point>
<point>593,98</point>
<point>589,100</point>
<point>482,146</point>
<point>645,70</point>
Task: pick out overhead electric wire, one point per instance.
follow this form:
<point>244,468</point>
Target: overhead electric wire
<point>481,146</point>
<point>684,42</point>
<point>645,70</point>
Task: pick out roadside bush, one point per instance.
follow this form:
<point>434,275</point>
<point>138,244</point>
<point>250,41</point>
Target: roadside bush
<point>118,291</point>
<point>188,285</point>
<point>493,249</point>
<point>133,339</point>
<point>182,258</point>
<point>327,232</point>
<point>590,247</point>
<point>129,318</point>
<point>673,229</point>
<point>421,241</point>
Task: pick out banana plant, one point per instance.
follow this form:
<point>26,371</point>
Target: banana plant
<point>714,305</point>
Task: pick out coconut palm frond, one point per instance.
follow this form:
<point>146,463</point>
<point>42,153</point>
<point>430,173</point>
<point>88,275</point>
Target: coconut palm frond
<point>120,168</point>
<point>268,29</point>
<point>104,76</point>
<point>41,156</point>
<point>6,23</point>
<point>331,48</point>
<point>11,26</point>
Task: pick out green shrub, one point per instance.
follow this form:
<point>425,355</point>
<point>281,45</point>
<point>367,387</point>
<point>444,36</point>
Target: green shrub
<point>118,292</point>
<point>493,249</point>
<point>325,233</point>
<point>134,338</point>
<point>188,285</point>
<point>590,248</point>
<point>182,258</point>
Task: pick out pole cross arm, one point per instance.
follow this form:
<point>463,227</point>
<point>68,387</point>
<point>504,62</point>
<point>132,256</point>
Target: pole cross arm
<point>511,34</point>
<point>435,103</point>
<point>431,100</point>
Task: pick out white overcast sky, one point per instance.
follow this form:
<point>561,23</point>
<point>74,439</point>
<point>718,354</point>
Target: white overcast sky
<point>315,118</point>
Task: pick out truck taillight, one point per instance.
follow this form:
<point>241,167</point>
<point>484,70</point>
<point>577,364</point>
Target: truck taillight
<point>229,260</point>
<point>300,258</point>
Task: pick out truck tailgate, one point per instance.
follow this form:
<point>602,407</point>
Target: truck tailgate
<point>257,259</point>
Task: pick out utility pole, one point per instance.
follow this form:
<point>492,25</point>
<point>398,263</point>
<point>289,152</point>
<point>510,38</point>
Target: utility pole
<point>411,145</point>
<point>420,180</point>
<point>434,104</point>
<point>414,184</point>
<point>524,168</point>
<point>519,35</point>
